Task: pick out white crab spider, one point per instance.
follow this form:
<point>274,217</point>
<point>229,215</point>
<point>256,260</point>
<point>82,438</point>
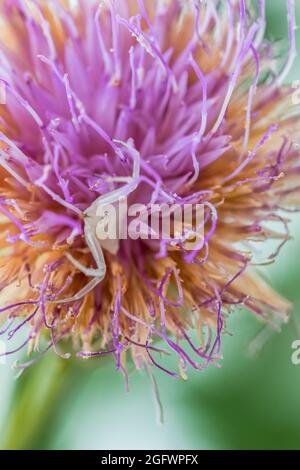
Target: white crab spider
<point>90,221</point>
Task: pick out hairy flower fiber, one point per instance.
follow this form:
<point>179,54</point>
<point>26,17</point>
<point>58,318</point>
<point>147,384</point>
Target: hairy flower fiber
<point>186,89</point>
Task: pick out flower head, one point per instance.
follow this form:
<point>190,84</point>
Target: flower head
<point>162,102</point>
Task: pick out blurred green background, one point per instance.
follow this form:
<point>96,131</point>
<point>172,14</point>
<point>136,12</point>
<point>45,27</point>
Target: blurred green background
<point>252,402</point>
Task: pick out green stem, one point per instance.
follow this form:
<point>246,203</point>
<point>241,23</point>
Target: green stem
<point>36,395</point>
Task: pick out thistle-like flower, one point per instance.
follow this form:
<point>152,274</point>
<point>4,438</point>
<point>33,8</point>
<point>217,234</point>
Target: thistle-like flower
<point>170,102</point>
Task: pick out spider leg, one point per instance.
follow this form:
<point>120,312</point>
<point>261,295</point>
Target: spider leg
<point>82,293</point>
<point>96,250</point>
<point>98,274</point>
<point>118,179</point>
<point>131,183</point>
<point>93,243</point>
<point>89,272</point>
